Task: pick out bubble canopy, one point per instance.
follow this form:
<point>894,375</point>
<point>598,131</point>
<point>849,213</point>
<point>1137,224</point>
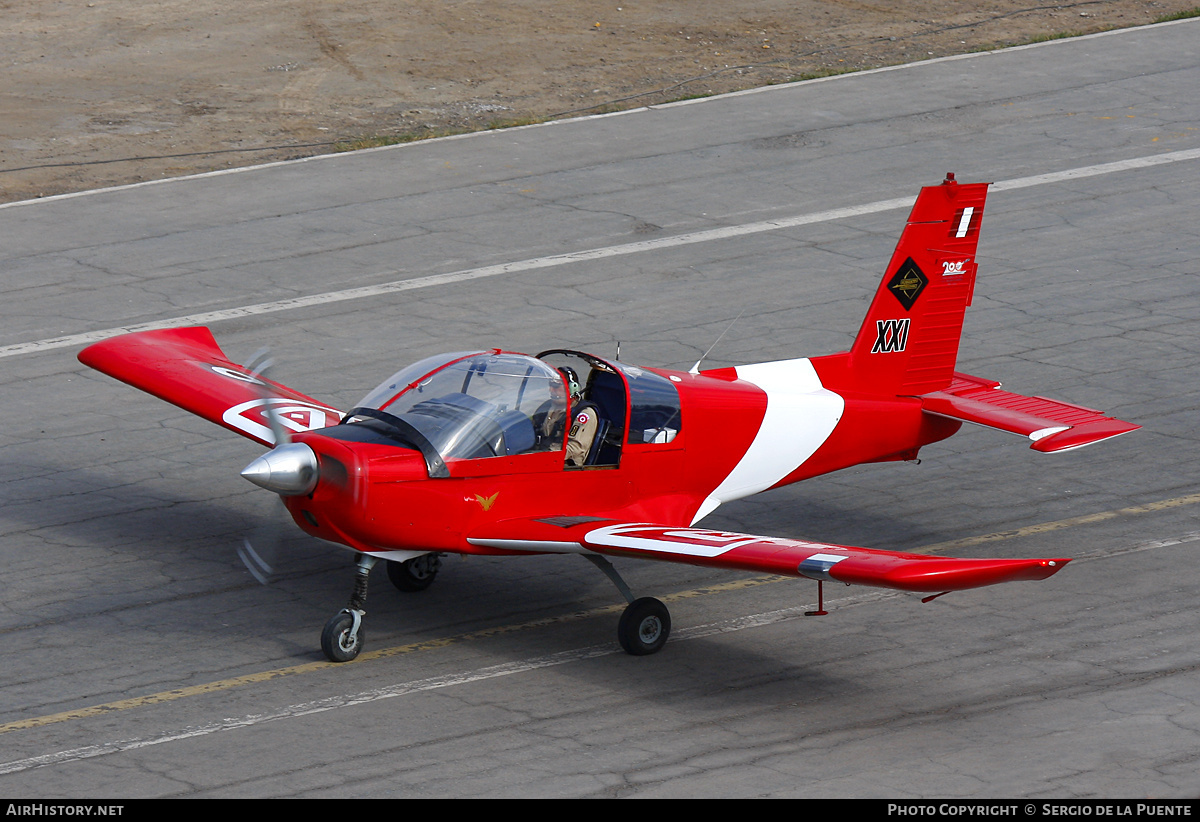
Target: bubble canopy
<point>470,405</point>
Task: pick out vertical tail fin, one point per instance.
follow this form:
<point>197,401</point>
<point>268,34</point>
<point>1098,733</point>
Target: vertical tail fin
<point>908,343</point>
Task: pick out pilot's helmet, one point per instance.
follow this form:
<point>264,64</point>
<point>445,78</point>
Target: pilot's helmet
<point>572,381</point>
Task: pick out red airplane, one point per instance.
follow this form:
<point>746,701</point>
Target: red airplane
<point>475,452</point>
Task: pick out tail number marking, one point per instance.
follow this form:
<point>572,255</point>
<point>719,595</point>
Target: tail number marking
<point>890,336</point>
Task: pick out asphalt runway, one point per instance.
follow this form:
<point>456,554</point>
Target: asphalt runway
<point>142,660</point>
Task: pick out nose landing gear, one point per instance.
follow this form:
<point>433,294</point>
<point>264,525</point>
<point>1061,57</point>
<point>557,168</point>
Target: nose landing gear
<point>343,637</point>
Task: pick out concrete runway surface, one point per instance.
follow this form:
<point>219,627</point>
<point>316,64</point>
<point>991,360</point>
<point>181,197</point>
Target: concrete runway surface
<point>142,660</point>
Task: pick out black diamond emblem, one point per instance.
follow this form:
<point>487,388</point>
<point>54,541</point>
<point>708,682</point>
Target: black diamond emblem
<point>908,283</point>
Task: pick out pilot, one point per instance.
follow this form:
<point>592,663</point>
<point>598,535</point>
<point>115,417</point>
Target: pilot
<point>584,421</point>
<point>549,421</point>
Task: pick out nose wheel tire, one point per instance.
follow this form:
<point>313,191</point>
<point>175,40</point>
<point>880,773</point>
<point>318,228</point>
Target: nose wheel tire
<point>415,574</point>
<point>340,641</point>
<point>644,627</point>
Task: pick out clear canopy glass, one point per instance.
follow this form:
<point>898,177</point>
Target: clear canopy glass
<point>474,405</point>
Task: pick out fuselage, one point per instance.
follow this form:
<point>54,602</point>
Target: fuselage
<point>737,431</point>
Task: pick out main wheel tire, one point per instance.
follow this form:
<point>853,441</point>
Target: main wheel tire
<point>644,627</point>
<point>336,641</point>
<point>415,574</point>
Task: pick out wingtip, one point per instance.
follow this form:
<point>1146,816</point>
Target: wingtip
<point>1079,436</point>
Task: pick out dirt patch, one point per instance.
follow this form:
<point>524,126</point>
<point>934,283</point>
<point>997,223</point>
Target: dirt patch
<point>103,92</point>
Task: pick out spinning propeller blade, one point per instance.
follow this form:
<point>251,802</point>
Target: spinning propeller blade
<point>258,367</point>
<point>287,469</point>
<point>258,567</point>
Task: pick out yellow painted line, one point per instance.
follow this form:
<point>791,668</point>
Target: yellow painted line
<point>399,650</point>
<point>427,645</point>
<point>1046,527</point>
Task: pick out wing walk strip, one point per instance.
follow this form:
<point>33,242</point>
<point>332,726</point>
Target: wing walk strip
<point>494,671</point>
<point>726,232</point>
<point>727,626</point>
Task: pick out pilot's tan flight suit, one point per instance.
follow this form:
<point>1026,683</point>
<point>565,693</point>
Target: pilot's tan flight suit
<point>583,431</point>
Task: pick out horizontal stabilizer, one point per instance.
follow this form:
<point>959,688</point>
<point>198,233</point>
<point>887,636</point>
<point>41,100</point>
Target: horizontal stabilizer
<point>186,367</point>
<point>1052,425</point>
<point>787,557</point>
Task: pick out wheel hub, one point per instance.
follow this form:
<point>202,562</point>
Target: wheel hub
<point>649,630</point>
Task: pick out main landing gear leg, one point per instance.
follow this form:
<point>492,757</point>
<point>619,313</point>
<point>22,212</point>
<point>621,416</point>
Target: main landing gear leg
<point>645,624</point>
<point>343,636</point>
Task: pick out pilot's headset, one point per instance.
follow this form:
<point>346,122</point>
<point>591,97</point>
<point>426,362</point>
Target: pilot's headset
<point>572,382</point>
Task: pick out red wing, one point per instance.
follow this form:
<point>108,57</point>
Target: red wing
<point>1051,424</point>
<point>788,557</point>
<point>186,367</point>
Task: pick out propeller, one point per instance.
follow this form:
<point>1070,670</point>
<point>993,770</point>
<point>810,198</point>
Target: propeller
<point>288,469</point>
<point>258,552</point>
<point>260,363</point>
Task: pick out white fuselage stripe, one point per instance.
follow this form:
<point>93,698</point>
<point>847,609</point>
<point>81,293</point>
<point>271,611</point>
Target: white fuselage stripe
<point>800,416</point>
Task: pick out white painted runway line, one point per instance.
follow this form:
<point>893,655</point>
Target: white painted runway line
<point>726,232</point>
